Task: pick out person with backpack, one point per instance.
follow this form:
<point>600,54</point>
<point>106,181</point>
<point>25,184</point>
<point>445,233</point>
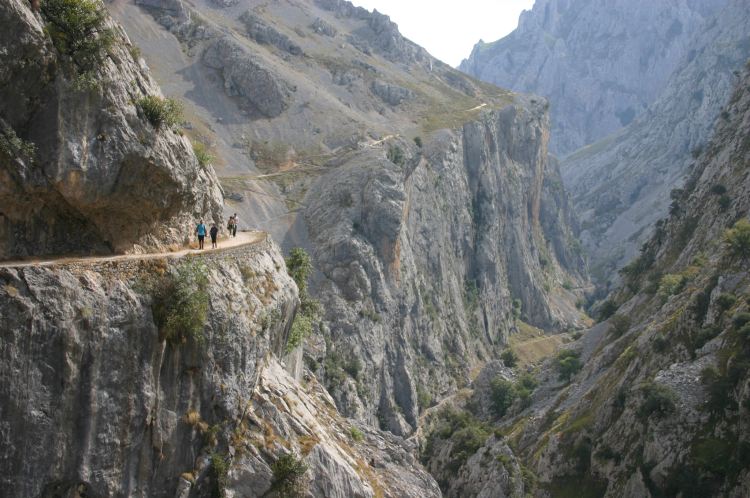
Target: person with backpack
<point>236,222</point>
<point>214,232</point>
<point>200,231</point>
<point>230,225</point>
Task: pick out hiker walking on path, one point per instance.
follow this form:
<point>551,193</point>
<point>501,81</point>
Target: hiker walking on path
<point>200,230</point>
<point>230,225</point>
<point>214,232</point>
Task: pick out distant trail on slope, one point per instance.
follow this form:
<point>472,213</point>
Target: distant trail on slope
<point>243,238</point>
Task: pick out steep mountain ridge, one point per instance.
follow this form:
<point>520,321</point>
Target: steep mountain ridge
<point>660,405</point>
<point>371,146</point>
<point>148,375</point>
<point>620,186</point>
<point>599,64</point>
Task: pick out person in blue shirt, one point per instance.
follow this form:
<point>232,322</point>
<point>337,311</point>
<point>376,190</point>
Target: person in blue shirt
<point>200,230</point>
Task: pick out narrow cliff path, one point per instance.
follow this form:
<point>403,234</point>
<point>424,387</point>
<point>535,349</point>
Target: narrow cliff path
<point>242,239</point>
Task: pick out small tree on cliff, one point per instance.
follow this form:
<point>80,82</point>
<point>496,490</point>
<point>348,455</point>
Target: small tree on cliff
<point>299,266</point>
<point>737,242</point>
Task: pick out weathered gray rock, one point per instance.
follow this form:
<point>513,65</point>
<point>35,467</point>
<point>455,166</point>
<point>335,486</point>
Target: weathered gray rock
<point>265,34</point>
<point>322,27</point>
<point>101,177</point>
<point>654,408</point>
<point>599,65</point>
<point>247,78</point>
<point>421,260</point>
<point>95,398</point>
<point>620,186</point>
<point>390,93</point>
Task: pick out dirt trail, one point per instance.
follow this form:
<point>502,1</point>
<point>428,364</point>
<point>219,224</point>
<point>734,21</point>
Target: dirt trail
<point>243,238</point>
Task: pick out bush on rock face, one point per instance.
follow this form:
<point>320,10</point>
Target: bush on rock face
<point>78,29</point>
<point>180,305</point>
<point>160,112</point>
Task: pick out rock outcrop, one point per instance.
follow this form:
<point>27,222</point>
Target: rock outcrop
<point>620,186</point>
<point>98,402</point>
<point>599,65</point>
<point>660,405</point>
<point>427,256</point>
<point>247,78</point>
<point>82,168</point>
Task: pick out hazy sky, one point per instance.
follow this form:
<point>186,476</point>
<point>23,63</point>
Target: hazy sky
<point>448,29</point>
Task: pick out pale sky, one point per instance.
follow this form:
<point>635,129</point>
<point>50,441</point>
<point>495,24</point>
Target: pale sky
<point>448,29</point>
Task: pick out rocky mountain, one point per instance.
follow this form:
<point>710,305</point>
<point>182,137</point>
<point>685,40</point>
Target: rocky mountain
<point>599,64</point>
<point>651,402</point>
<point>620,185</point>
<point>437,224</point>
<point>76,150</point>
<point>434,216</point>
<point>152,374</point>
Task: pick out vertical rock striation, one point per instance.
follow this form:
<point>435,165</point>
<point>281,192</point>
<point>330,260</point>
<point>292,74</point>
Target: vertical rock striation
<point>96,175</point>
<point>600,65</point>
<point>424,259</point>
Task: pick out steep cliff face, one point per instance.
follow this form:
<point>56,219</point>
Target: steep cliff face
<point>600,65</point>
<point>82,168</point>
<point>660,406</point>
<point>428,262</point>
<point>429,251</point>
<point>620,186</point>
<point>97,401</point>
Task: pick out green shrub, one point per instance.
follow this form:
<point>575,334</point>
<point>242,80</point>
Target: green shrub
<point>509,357</point>
<point>724,202</point>
<point>740,319</point>
<point>524,387</point>
<point>660,343</point>
<point>607,309</point>
<point>670,285</point>
<point>301,328</point>
<point>418,141</point>
<point>657,400</point>
<point>78,29</point>
<point>299,266</point>
<point>718,189</point>
<point>503,395</point>
<point>396,155</point>
<point>219,469</point>
<point>356,434</point>
<point>180,304</point>
<point>12,146</point>
<point>423,397</point>
<point>568,363</point>
<point>619,324</point>
<point>737,241</point>
<point>202,154</point>
<point>517,307</point>
<point>719,388</point>
<point>288,472</point>
<point>725,301</point>
<point>160,112</point>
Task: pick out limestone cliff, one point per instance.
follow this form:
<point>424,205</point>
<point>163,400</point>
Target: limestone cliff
<point>600,65</point>
<point>82,169</point>
<point>620,186</point>
<point>435,219</point>
<point>660,405</point>
<point>427,263</point>
<point>97,401</point>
